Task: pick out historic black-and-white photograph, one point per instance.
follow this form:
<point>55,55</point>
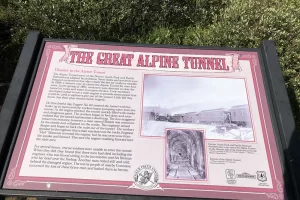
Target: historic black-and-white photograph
<point>185,155</point>
<point>218,105</point>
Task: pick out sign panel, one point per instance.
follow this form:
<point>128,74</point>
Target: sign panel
<point>147,121</point>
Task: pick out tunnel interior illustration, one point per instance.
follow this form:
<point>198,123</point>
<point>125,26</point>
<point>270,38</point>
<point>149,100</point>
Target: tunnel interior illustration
<point>185,155</point>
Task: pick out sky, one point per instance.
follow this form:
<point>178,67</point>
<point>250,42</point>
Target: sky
<point>190,94</point>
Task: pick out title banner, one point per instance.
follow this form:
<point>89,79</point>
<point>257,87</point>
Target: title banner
<point>79,56</point>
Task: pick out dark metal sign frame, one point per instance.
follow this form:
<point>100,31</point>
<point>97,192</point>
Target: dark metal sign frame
<point>20,88</point>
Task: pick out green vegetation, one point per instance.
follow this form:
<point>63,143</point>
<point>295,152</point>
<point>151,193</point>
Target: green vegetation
<point>231,23</point>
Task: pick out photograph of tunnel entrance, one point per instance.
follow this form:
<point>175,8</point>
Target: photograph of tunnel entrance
<point>185,155</point>
<point>218,105</point>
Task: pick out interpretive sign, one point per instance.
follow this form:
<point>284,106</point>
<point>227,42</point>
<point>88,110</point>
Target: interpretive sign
<point>147,120</point>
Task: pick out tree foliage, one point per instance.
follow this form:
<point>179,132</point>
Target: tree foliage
<point>231,23</point>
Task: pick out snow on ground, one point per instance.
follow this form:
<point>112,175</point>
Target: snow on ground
<point>157,128</point>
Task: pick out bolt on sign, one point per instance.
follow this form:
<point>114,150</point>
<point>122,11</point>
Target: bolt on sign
<point>108,120</point>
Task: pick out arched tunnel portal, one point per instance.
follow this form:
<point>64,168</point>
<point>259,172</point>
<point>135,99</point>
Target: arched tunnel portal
<point>185,155</point>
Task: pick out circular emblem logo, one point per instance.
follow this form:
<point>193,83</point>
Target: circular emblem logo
<point>146,177</point>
